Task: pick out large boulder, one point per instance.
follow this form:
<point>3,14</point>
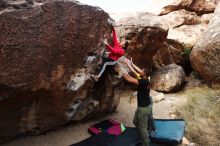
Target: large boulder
<point>205,56</point>
<point>168,79</point>
<point>170,52</point>
<point>146,33</point>
<point>205,18</point>
<point>187,35</point>
<point>181,17</point>
<point>48,53</point>
<point>186,26</point>
<point>182,36</point>
<point>198,6</point>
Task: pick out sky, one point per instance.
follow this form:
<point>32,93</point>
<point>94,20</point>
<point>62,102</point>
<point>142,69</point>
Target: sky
<point>128,6</point>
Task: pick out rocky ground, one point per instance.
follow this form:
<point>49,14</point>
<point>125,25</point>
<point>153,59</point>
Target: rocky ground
<point>73,133</point>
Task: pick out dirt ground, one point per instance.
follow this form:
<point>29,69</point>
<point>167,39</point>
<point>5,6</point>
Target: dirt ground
<point>73,133</point>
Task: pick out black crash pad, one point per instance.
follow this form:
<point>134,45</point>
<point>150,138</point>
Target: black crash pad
<point>169,132</point>
<point>128,138</point>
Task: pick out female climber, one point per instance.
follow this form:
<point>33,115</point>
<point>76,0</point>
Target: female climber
<point>115,52</point>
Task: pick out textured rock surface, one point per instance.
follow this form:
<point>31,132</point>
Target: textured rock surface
<point>205,18</point>
<point>170,52</point>
<point>187,35</point>
<point>146,33</point>
<point>177,47</point>
<point>186,26</point>
<point>156,96</point>
<point>182,17</point>
<point>198,6</point>
<point>45,69</point>
<point>205,56</point>
<point>167,79</point>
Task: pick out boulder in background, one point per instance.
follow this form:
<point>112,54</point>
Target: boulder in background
<point>168,79</point>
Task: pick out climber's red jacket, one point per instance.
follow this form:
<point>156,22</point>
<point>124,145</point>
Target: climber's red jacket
<point>116,51</point>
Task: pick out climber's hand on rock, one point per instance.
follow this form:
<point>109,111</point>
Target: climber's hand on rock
<point>126,60</point>
<point>112,26</point>
<point>111,21</point>
<point>105,41</point>
<point>127,63</point>
<point>107,54</point>
<point>131,61</point>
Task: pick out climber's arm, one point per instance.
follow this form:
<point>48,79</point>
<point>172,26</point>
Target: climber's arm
<point>135,67</point>
<point>132,70</point>
<point>115,40</point>
<point>130,79</point>
<point>119,51</point>
<point>110,48</point>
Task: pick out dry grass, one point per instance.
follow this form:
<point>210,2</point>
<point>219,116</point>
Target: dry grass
<point>202,114</point>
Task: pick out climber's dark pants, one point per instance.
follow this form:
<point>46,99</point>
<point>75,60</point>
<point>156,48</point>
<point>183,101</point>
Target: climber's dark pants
<point>105,62</point>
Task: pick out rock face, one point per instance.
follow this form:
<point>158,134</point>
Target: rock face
<point>168,79</point>
<point>198,6</point>
<point>170,52</point>
<point>205,56</point>
<point>181,17</point>
<point>47,54</point>
<point>185,27</point>
<point>156,96</point>
<point>146,33</point>
<point>187,35</point>
<point>187,20</point>
<point>182,36</point>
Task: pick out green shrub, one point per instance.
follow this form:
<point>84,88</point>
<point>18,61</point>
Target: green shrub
<point>186,52</point>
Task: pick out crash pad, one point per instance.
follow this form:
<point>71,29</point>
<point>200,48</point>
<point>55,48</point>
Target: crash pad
<point>169,131</point>
<point>107,126</point>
